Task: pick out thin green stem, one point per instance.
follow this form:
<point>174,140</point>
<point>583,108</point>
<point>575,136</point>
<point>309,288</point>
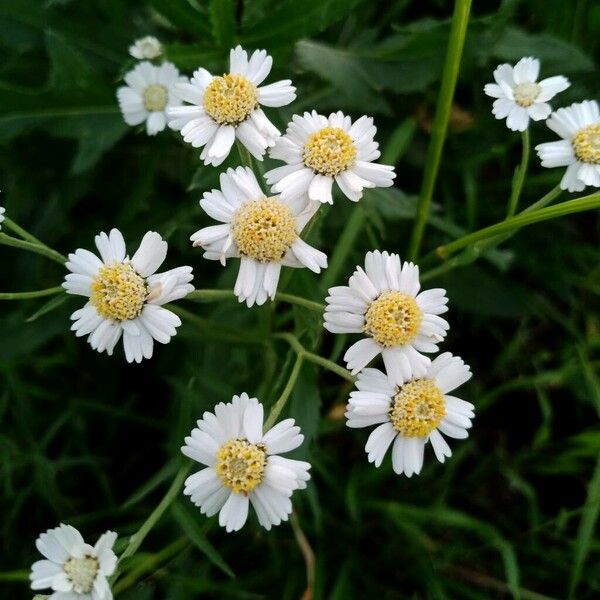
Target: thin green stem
<point>458,30</point>
<point>285,394</point>
<point>295,344</point>
<point>307,553</point>
<point>8,240</point>
<point>138,537</point>
<point>212,295</point>
<point>27,295</point>
<point>590,202</point>
<point>544,200</point>
<point>519,178</point>
<point>10,224</point>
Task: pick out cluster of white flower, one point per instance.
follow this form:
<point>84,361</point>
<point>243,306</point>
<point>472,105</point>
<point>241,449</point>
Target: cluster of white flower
<point>409,401</point>
<point>520,96</point>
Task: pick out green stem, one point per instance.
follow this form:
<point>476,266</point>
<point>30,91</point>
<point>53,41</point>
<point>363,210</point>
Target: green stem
<point>458,29</point>
<point>519,178</point>
<point>211,295</point>
<point>150,564</point>
<point>137,538</point>
<point>27,295</point>
<point>285,394</point>
<point>7,240</point>
<point>10,224</point>
<point>543,201</point>
<point>590,202</point>
<point>292,340</point>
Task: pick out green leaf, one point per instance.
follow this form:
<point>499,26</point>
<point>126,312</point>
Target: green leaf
<point>190,527</point>
<point>48,307</point>
<point>222,18</point>
<point>69,68</point>
<point>191,17</point>
<point>399,141</point>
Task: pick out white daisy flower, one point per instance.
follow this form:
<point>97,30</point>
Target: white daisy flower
<point>263,232</point>
<point>243,465</point>
<point>146,47</point>
<point>223,108</point>
<point>148,94</point>
<point>579,150</point>
<point>383,302</point>
<point>519,95</point>
<point>411,414</point>
<point>73,569</point>
<point>2,211</point>
<point>126,295</point>
<point>320,150</point>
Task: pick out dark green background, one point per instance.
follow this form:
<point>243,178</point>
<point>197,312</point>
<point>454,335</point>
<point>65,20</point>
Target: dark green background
<point>92,441</point>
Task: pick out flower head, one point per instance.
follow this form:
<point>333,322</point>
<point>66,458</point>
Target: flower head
<point>72,568</point>
<point>148,94</point>
<point>2,211</point>
<point>263,231</point>
<point>243,465</point>
<point>579,150</point>
<point>519,95</point>
<point>319,150</point>
<point>383,303</point>
<point>411,414</point>
<point>223,108</point>
<point>146,48</point>
<point>126,295</point>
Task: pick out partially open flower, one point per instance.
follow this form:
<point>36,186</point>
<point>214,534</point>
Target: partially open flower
<point>148,95</point>
<point>73,569</point>
<point>243,465</point>
<point>520,96</point>
<point>411,414</point>
<point>126,295</point>
<point>319,150</point>
<point>579,150</point>
<point>383,303</point>
<point>263,231</point>
<point>146,48</point>
<point>225,108</point>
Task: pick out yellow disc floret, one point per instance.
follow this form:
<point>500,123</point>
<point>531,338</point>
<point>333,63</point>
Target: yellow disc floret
<point>586,144</point>
<point>393,319</point>
<point>230,99</point>
<point>118,292</point>
<point>82,572</point>
<point>329,151</point>
<point>155,97</point>
<point>264,229</point>
<point>417,408</point>
<point>526,93</point>
<point>241,465</point>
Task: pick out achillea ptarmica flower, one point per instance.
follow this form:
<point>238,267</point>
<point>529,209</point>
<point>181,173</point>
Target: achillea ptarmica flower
<point>264,232</point>
<point>146,48</point>
<point>520,96</point>
<point>223,108</point>
<point>579,150</point>
<point>126,295</point>
<point>243,465</point>
<point>411,414</point>
<point>2,211</point>
<point>320,150</point>
<point>148,94</point>
<point>73,569</point>
<point>383,302</point>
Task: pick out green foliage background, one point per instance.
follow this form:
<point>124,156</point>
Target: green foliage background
<point>95,442</point>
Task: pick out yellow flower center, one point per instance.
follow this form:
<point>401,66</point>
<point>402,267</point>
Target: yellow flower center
<point>393,319</point>
<point>118,292</point>
<point>155,97</point>
<point>586,144</point>
<point>241,465</point>
<point>264,229</point>
<point>329,151</point>
<point>230,99</point>
<point>526,93</point>
<point>417,408</point>
<point>82,573</point>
